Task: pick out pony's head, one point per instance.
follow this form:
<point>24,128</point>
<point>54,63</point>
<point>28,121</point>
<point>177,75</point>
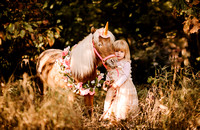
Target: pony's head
<point>103,41</point>
<point>85,56</point>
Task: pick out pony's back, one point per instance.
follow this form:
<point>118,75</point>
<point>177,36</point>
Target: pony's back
<point>47,70</point>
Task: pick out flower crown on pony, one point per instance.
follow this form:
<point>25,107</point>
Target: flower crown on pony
<point>63,64</point>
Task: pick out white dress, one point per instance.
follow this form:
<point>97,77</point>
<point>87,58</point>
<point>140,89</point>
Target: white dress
<point>126,100</point>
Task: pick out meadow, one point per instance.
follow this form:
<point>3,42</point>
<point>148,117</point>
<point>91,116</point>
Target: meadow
<point>159,32</point>
<point>168,101</point>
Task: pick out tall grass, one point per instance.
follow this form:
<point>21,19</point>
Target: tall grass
<point>21,107</point>
<point>168,102</point>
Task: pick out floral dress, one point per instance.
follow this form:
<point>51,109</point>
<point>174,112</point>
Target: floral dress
<point>125,99</point>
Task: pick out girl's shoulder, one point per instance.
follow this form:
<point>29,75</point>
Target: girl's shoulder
<point>123,62</point>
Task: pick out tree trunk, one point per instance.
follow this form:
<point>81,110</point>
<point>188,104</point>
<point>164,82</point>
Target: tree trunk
<point>194,48</point>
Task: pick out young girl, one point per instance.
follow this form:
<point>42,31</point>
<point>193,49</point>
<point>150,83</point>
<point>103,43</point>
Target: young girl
<point>121,98</point>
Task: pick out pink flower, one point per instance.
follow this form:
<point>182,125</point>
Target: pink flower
<point>67,70</point>
<point>64,53</point>
<point>65,79</point>
<point>67,49</point>
<point>60,61</point>
<point>84,91</point>
<point>79,85</point>
<point>99,78</point>
<point>67,63</point>
<point>69,85</point>
<point>92,93</point>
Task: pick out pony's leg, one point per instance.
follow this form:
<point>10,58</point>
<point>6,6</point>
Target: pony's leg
<point>1,93</point>
<point>40,85</point>
<point>89,103</point>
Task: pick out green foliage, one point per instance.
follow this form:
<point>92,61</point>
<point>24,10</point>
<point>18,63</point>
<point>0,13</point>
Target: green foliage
<point>187,7</point>
<point>25,30</point>
<point>29,27</point>
<point>155,31</point>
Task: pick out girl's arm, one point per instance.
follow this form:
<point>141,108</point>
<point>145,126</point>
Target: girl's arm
<point>127,70</point>
<point>107,83</point>
<point>107,77</point>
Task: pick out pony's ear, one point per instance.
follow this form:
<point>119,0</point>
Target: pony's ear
<point>93,30</point>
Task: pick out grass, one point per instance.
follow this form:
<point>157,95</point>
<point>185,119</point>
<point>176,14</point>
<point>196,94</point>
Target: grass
<point>168,101</point>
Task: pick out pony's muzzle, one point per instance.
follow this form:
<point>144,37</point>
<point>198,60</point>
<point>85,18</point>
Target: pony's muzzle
<point>111,63</point>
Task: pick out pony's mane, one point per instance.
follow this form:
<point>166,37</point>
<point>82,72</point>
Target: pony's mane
<point>83,58</point>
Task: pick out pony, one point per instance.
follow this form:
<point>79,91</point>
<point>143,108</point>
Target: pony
<point>93,50</point>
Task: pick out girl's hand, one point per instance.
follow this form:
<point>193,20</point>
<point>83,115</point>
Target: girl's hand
<point>114,85</point>
<point>106,85</point>
<point>107,82</point>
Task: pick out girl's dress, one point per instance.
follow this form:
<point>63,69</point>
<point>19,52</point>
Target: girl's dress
<point>126,100</point>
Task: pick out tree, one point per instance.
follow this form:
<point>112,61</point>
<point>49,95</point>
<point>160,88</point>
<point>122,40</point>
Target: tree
<point>29,27</point>
<point>25,30</point>
<point>189,12</point>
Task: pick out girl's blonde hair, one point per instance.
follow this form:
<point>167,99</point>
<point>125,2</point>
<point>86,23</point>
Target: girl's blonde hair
<point>122,45</point>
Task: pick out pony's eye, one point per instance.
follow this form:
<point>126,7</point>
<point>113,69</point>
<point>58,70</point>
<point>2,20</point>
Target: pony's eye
<point>99,44</point>
<point>112,61</point>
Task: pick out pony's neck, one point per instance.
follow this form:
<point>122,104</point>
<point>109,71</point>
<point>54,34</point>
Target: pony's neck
<point>83,60</point>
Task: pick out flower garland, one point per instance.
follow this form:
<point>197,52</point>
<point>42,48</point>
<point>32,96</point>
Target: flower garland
<point>79,88</point>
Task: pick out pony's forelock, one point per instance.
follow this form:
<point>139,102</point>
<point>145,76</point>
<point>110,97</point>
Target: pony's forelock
<point>97,33</point>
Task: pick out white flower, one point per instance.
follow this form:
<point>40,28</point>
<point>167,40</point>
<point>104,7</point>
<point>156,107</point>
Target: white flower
<point>78,86</point>
<point>102,74</point>
<point>98,85</point>
<point>67,71</point>
<point>67,48</point>
<point>93,82</point>
<point>84,91</point>
<point>66,80</point>
<point>67,58</point>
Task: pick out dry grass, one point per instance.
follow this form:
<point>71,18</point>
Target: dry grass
<point>165,103</point>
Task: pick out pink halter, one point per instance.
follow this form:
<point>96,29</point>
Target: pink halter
<point>103,60</point>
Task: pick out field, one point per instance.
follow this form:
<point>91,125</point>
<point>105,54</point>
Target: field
<point>169,101</point>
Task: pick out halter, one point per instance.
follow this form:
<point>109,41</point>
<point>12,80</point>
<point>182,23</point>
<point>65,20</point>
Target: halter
<point>102,59</point>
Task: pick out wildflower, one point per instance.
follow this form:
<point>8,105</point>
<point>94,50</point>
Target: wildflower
<point>100,77</point>
<point>79,88</point>
<point>67,71</point>
<point>65,52</point>
<point>69,85</point>
<point>79,85</point>
<point>93,92</point>
<point>65,79</point>
<point>84,91</point>
<point>98,85</point>
<point>93,82</point>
